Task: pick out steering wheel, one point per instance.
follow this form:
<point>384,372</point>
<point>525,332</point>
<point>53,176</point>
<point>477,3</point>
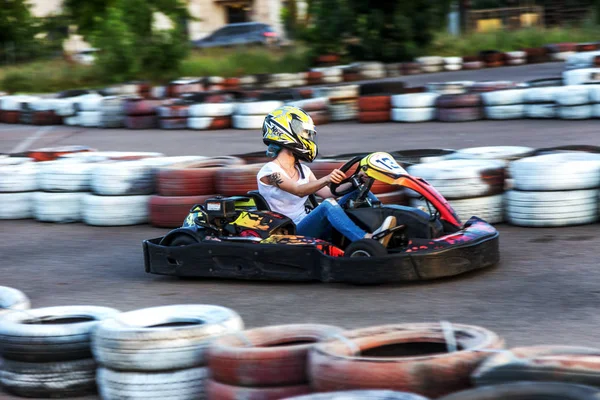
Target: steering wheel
<point>354,179</point>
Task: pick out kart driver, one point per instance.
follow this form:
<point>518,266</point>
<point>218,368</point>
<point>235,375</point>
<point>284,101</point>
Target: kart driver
<point>289,133</point>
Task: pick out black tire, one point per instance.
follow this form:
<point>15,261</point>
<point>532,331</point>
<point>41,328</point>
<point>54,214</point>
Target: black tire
<point>183,240</point>
<point>365,248</point>
<point>527,391</point>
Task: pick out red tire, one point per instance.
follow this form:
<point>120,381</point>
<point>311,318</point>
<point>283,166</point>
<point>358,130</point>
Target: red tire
<point>46,118</point>
<point>374,103</point>
<point>193,178</point>
<point>170,212</point>
<point>137,107</point>
<point>221,391</point>
<point>352,77</point>
<point>237,180</point>
<point>494,64</point>
<point>141,122</point>
<point>373,116</point>
<point>314,75</point>
<point>11,117</point>
<point>459,114</point>
<point>52,153</point>
<point>459,100</point>
<point>586,47</point>
<point>471,65</point>
<point>173,123</point>
<point>231,83</point>
<point>269,356</point>
<point>314,81</point>
<point>404,357</point>
<point>220,123</point>
<point>327,59</point>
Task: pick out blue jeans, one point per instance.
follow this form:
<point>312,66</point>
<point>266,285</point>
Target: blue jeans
<point>318,223</point>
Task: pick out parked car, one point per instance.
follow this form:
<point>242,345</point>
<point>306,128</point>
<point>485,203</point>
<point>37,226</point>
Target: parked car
<point>239,35</point>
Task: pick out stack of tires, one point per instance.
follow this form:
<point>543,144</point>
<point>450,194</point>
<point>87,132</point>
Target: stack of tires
<point>159,352</point>
<point>443,353</point>
<point>471,186</point>
<point>431,63</point>
<point>121,191</point>
<point>370,70</point>
<point>317,108</point>
<point>314,78</point>
<point>181,186</point>
<point>413,107</point>
<point>264,363</point>
<point>554,190</point>
<point>536,55</point>
<point>40,112</point>
<point>472,63</point>
<point>539,102</point>
<point>287,80</point>
<point>504,104</point>
<point>411,68</point>
<point>515,57</point>
<point>88,111</point>
<point>10,108</point>
<point>173,116</point>
<point>343,101</point>
<point>69,107</point>
<point>214,83</point>
<point>112,112</point>
<point>237,180</point>
<point>581,76</point>
<point>330,74</point>
<point>560,51</point>
<point>12,300</point>
<point>184,85</point>
<point>17,187</point>
<point>141,113</point>
<point>453,63</point>
<point>492,58</point>
<point>46,352</point>
<point>393,70</point>
<point>374,108</point>
<point>459,107</point>
<point>210,116</point>
<point>251,115</point>
<point>573,102</point>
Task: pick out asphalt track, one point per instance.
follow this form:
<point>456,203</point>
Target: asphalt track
<point>544,291</point>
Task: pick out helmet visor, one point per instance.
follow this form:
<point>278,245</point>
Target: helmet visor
<point>304,130</point>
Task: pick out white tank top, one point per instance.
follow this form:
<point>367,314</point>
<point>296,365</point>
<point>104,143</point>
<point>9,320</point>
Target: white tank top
<point>279,200</point>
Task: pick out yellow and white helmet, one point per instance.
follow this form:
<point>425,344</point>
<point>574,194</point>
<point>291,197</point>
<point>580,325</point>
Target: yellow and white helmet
<point>292,128</point>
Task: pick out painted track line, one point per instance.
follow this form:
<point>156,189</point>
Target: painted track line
<point>27,142</point>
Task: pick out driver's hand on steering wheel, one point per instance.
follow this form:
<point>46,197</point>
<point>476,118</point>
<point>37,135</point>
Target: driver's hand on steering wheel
<point>336,176</point>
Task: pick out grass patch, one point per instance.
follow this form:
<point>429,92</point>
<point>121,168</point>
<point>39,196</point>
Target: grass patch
<point>448,45</point>
<point>57,75</point>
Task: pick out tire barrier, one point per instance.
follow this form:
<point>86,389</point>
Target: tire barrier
<point>46,351</point>
<point>404,357</point>
<point>374,109</point>
<point>413,107</point>
<point>458,107</point>
<point>12,300</point>
<point>343,101</point>
<point>251,115</point>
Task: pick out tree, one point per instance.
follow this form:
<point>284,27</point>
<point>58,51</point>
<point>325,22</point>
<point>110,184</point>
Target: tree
<point>18,30</point>
<point>129,45</point>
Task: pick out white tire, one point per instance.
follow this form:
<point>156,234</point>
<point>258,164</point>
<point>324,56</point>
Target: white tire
<point>66,175</point>
<point>257,107</point>
<point>18,174</point>
<point>57,207</point>
<point>136,341</point>
<point>212,109</point>
<point>581,59</point>
<point>370,74</point>
<point>452,67</point>
<point>90,119</point>
<point>50,334</point>
<point>72,121</point>
<point>200,123</point>
<point>579,76</point>
<point>338,92</point>
<point>332,79</point>
<point>248,80</point>
<point>130,177</point>
<point>513,111</point>
<point>504,153</point>
<point>585,111</point>
<point>430,60</point>
<point>503,97</point>
<point>414,100</point>
<point>248,121</point>
<point>16,205</point>
<point>572,95</point>
<point>561,56</point>
<point>412,114</point>
<point>516,61</point>
<point>516,54</point>
<point>330,72</point>
<point>594,92</point>
<point>552,209</point>
<point>432,68</point>
<point>563,171</point>
<point>490,208</point>
<point>540,94</point>
<point>541,110</point>
<point>12,300</point>
<point>89,102</point>
<point>185,384</point>
<point>13,103</point>
<point>460,179</point>
<point>115,210</point>
<point>453,60</point>
<point>49,379</point>
<point>344,111</point>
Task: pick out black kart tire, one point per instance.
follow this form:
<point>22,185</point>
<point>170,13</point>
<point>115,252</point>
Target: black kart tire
<point>183,240</point>
<point>365,248</point>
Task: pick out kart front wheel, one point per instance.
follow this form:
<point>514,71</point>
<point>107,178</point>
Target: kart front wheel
<point>365,248</point>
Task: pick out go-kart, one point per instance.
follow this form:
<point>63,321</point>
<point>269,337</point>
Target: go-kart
<point>240,237</point>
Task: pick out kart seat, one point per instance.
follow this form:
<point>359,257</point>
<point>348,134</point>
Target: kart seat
<point>259,200</point>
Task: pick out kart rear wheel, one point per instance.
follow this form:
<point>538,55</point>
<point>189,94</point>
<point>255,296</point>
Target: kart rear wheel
<point>365,248</point>
<point>183,240</point>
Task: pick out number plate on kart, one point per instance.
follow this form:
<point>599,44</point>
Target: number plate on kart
<point>385,163</point>
<point>213,206</point>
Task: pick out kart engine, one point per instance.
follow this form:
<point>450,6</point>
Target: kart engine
<point>220,211</point>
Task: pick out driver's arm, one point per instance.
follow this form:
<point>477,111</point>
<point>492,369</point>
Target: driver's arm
<point>325,192</point>
<point>301,190</point>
